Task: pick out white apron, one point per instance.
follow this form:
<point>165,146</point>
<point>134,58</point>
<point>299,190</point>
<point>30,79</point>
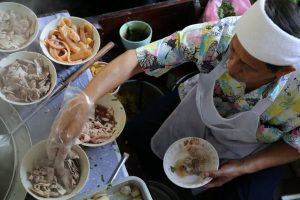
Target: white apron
<point>196,115</point>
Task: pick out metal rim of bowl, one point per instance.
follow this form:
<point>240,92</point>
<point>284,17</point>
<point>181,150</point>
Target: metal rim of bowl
<point>16,156</point>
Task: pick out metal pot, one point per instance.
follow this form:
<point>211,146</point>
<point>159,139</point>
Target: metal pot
<point>136,95</point>
<point>12,149</point>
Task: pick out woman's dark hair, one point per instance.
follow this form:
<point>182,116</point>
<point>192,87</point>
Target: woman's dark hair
<point>286,15</point>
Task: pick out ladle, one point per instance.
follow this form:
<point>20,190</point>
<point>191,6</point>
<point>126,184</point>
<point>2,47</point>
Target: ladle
<point>117,169</point>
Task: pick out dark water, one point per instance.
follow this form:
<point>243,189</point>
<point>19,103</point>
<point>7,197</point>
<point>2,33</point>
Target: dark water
<point>136,34</point>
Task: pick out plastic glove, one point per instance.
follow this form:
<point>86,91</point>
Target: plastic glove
<point>67,126</point>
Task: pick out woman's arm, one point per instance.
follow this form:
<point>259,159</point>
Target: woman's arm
<point>276,154</point>
<point>75,112</point>
<point>114,74</point>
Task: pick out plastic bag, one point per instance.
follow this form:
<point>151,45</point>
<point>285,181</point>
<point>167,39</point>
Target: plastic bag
<point>67,126</point>
<point>218,9</point>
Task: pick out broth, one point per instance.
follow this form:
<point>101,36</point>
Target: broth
<point>136,34</point>
<point>179,166</point>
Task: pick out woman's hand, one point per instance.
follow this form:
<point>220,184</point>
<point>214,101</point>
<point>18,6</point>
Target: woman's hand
<point>67,126</point>
<point>228,171</point>
<point>276,154</point>
<point>71,119</point>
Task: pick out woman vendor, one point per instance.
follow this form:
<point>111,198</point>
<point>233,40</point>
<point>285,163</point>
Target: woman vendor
<point>245,101</point>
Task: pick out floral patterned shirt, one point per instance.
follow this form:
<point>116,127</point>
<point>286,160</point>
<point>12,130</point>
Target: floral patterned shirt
<point>204,44</point>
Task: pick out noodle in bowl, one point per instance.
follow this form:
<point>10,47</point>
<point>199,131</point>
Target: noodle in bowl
<point>18,27</point>
<point>109,122</point>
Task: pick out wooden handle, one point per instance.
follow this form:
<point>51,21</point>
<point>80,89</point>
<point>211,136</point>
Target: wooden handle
<point>100,53</point>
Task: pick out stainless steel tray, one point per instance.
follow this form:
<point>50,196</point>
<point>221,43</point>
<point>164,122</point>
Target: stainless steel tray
<point>116,186</point>
<point>12,150</point>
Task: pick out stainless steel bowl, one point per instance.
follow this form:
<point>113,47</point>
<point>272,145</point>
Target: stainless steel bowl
<point>12,149</point>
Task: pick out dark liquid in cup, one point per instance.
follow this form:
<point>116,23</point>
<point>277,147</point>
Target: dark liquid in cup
<point>136,34</point>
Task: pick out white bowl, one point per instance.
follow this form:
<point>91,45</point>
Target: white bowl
<point>178,151</point>
<point>23,11</point>
<point>37,152</point>
<point>29,56</point>
<point>109,100</point>
<point>77,21</point>
<point>135,26</point>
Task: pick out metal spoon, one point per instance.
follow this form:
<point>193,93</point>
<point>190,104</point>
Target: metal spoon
<point>117,169</point>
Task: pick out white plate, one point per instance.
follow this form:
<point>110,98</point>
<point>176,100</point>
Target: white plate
<point>178,150</point>
<point>108,101</point>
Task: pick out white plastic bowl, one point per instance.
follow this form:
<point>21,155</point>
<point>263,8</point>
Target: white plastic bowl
<point>109,100</point>
<point>37,152</point>
<point>178,151</point>
<point>77,21</point>
<point>29,56</point>
<point>23,11</point>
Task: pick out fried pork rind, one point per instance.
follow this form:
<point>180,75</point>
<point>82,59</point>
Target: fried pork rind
<point>69,42</point>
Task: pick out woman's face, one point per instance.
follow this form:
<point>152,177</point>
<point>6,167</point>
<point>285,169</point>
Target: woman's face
<point>245,68</point>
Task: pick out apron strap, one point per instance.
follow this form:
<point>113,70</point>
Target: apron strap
<point>221,67</point>
<point>261,106</point>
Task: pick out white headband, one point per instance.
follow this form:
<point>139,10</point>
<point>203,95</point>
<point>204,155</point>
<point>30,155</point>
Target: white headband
<point>264,40</point>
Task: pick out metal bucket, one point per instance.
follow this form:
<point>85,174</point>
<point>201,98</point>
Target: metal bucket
<point>136,95</point>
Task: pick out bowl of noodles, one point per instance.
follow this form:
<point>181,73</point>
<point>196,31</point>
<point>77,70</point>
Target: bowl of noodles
<point>108,122</point>
<point>186,161</point>
<point>70,40</point>
<point>26,78</point>
<point>18,27</point>
<point>41,180</point>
